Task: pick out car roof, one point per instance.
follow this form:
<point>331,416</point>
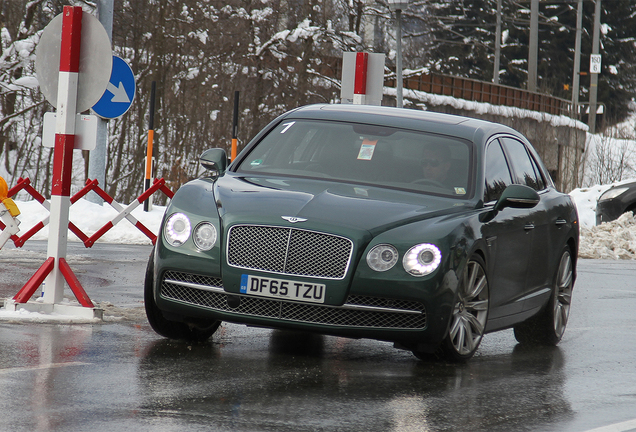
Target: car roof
<point>465,127</point>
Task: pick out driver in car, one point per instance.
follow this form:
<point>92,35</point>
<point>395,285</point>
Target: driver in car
<point>436,162</point>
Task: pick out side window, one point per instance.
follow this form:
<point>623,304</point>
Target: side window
<point>540,181</point>
<point>497,172</point>
<point>524,166</point>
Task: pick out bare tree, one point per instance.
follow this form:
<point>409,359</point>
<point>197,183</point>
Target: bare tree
<point>610,158</point>
<point>277,53</point>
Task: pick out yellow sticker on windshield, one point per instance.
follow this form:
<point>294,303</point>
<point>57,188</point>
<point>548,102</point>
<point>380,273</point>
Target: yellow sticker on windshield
<point>361,191</point>
<point>460,191</point>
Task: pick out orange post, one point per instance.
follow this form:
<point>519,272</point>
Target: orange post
<point>235,126</point>
<point>151,137</point>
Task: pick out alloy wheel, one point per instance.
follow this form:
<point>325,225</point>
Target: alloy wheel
<point>563,295</point>
<point>471,311</point>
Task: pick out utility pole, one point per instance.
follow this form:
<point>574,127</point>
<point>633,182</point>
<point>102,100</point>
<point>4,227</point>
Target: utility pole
<point>495,71</point>
<point>398,6</point>
<point>576,74</point>
<point>594,76</point>
<point>533,51</point>
<point>398,63</point>
<point>97,156</point>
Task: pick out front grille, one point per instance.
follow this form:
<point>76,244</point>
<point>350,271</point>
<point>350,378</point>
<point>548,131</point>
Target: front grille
<point>359,311</point>
<point>289,251</point>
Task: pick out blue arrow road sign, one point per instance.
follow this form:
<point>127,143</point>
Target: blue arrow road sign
<point>119,93</point>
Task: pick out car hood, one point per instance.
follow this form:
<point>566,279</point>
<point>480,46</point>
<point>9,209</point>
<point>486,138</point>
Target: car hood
<point>340,208</point>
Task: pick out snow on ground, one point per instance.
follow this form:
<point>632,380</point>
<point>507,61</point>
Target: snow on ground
<point>612,240</point>
<point>111,313</point>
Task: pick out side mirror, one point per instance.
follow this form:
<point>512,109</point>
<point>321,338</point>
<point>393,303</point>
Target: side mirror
<point>215,161</point>
<point>517,196</point>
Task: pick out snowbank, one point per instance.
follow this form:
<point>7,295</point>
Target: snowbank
<point>611,240</point>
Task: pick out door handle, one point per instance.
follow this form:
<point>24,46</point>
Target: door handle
<point>560,221</point>
<point>529,226</point>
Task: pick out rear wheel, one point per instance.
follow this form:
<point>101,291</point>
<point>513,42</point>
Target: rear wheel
<point>167,328</point>
<point>548,326</point>
<point>470,313</point>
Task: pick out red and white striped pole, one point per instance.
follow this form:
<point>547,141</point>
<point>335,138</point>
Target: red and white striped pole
<point>63,150</point>
<point>360,82</point>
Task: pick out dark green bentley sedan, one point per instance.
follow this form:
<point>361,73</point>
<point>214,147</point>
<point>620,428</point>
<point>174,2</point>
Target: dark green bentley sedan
<point>424,229</point>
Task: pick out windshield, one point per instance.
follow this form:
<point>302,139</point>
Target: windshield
<point>367,154</point>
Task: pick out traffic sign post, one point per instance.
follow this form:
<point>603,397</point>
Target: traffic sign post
<point>63,150</point>
<point>78,51</point>
<point>94,63</point>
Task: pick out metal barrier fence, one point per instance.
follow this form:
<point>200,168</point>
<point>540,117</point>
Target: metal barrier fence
<point>91,185</point>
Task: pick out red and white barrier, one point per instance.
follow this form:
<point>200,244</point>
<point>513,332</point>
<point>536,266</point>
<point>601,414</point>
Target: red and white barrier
<point>55,270</point>
<point>20,300</point>
<point>362,78</point>
<point>124,212</point>
<point>8,212</point>
<point>91,185</point>
<point>10,224</point>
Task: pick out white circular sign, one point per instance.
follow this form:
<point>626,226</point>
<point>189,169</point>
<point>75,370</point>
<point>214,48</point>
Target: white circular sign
<point>96,61</point>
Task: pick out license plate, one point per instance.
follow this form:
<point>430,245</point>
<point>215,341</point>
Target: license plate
<point>281,288</point>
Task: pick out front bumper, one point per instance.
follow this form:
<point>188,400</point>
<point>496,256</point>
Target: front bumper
<point>190,294</point>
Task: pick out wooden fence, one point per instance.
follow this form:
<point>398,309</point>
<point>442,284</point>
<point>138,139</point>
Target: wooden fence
<point>481,91</point>
<point>468,89</point>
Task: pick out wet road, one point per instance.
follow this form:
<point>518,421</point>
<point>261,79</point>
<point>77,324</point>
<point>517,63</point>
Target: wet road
<point>119,375</point>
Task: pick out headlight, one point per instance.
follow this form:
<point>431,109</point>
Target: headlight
<point>177,229</point>
<point>382,257</point>
<point>422,259</point>
<point>204,236</point>
<point>612,193</point>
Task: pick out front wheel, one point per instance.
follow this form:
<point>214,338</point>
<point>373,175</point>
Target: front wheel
<point>168,328</point>
<point>468,320</point>
<point>548,326</point>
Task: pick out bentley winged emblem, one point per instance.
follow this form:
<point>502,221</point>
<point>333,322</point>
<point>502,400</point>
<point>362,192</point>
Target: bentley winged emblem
<point>293,219</point>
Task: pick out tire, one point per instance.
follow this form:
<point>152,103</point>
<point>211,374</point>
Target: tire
<point>469,316</point>
<point>548,326</point>
<point>168,328</point>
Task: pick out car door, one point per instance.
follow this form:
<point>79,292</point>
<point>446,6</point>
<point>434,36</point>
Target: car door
<point>507,238</point>
<point>526,172</point>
